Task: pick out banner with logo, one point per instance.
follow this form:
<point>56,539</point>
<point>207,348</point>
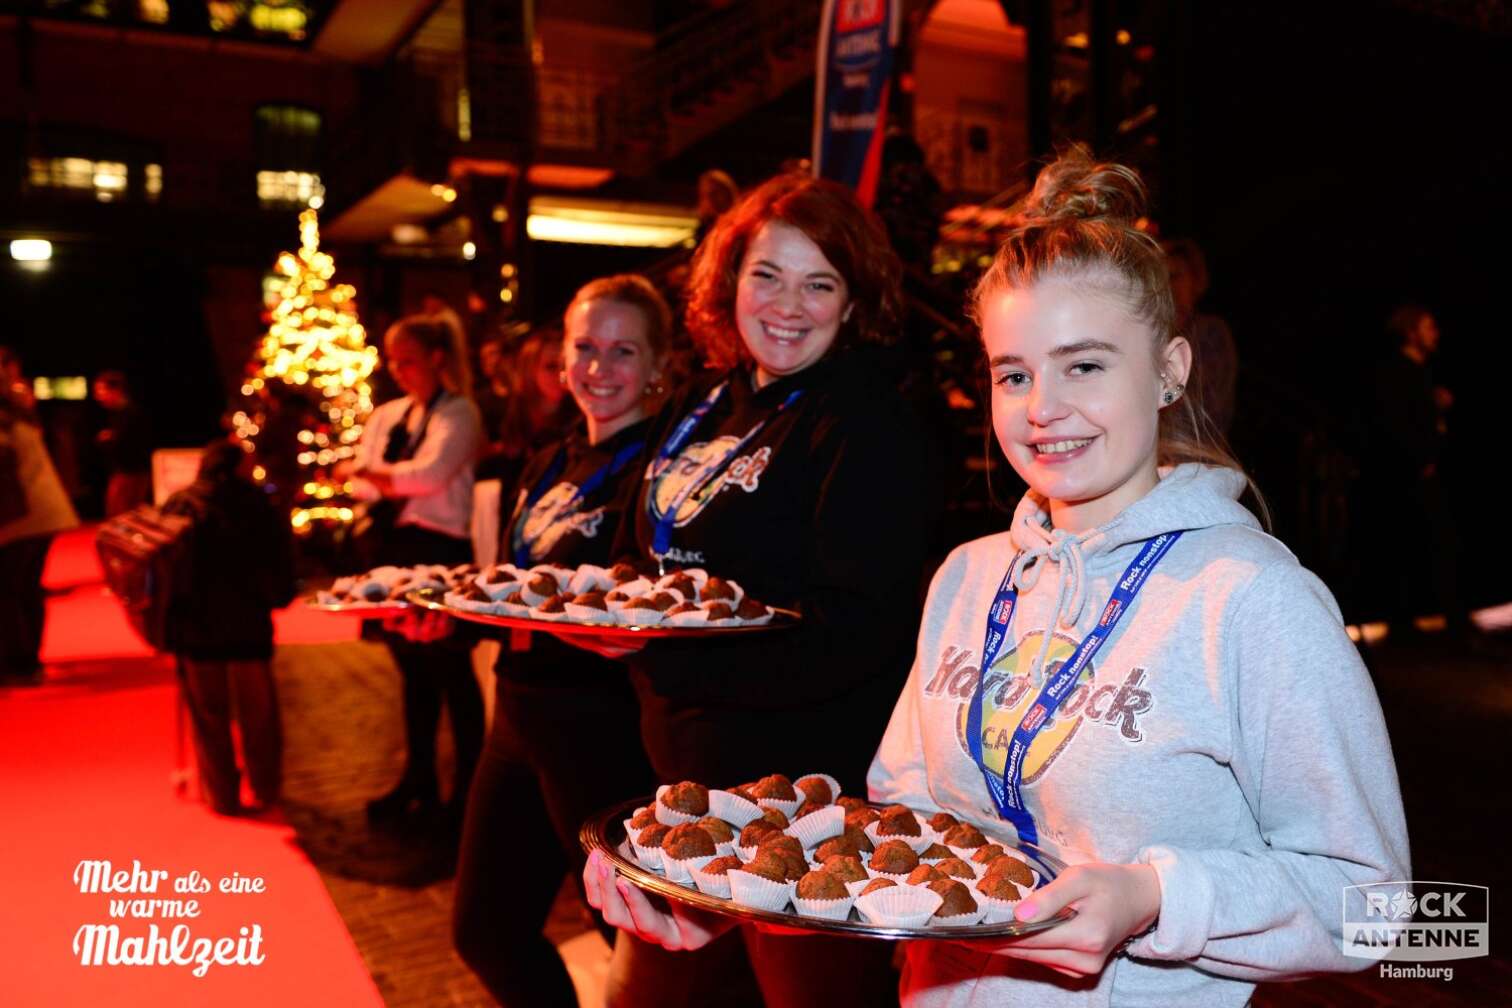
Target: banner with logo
<point>852,83</point>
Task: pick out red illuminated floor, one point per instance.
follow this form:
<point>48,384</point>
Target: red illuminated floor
<point>86,761</point>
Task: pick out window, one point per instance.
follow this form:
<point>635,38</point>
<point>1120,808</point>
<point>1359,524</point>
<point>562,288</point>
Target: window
<point>106,179</point>
<point>287,141</point>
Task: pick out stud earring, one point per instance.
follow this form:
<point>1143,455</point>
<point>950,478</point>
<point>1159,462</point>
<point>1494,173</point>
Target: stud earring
<point>1168,398</point>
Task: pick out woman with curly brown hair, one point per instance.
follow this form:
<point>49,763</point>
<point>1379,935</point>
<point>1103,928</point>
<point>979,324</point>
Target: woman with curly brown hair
<point>798,471</point>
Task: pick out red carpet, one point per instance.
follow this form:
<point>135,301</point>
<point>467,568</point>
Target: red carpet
<point>85,764</point>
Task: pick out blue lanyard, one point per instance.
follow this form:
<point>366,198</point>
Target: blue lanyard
<point>1004,788</point>
<point>523,546</point>
<point>661,542</point>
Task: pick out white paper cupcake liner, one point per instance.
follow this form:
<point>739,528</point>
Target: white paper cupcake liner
<point>670,816</point>
<point>639,617</point>
<point>724,847</point>
<point>898,906</point>
<point>500,592</point>
<point>996,911</point>
<point>639,586</point>
<point>817,827</point>
<point>511,608</point>
<point>649,857</point>
<point>681,869</point>
<point>965,853</point>
<point>854,888</point>
<point>693,618</point>
<point>834,788</point>
<point>756,621</point>
<point>590,578</point>
<point>551,617</point>
<point>831,909</point>
<point>732,808</point>
<point>900,879</point>
<point>917,844</point>
<point>588,614</point>
<point>787,806</point>
<point>713,885</point>
<point>532,597</point>
<point>757,892</point>
<point>745,853</point>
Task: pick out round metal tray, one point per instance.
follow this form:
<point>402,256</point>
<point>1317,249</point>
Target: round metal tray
<point>433,598</point>
<point>605,833</point>
<point>362,610</point>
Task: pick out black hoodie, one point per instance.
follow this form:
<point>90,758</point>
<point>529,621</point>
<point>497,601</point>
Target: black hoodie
<point>827,510</point>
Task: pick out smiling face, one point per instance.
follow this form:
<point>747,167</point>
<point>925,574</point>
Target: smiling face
<point>790,301</point>
<point>416,370</point>
<point>1077,393</point>
<point>609,363</point>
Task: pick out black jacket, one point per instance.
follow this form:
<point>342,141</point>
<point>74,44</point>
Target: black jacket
<point>240,568</point>
<point>827,510</point>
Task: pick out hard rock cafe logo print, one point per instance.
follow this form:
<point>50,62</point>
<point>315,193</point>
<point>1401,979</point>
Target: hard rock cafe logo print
<point>695,464</point>
<point>1117,706</point>
<point>554,517</point>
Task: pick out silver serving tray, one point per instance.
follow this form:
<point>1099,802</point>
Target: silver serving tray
<point>434,599</point>
<point>605,833</point>
<point>362,610</point>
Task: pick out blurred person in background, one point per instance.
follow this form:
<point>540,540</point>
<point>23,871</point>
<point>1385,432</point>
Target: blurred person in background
<point>1215,368</point>
<point>492,392</point>
<point>539,409</point>
<point>33,508</point>
<point>125,445</point>
<point>239,569</point>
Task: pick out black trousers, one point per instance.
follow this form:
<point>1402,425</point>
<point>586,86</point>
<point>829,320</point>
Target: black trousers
<point>433,673</point>
<point>557,754</point>
<point>22,606</point>
<point>213,690</point>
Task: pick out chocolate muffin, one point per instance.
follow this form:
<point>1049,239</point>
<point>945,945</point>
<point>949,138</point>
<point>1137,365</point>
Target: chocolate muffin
<point>858,837</point>
<point>652,836</point>
<point>958,899</point>
<point>821,885</point>
<point>497,575</point>
<point>660,601</point>
<point>744,791</point>
<point>877,883</point>
<point>663,600</point>
<point>942,821</point>
<point>925,874</point>
<point>780,841</point>
<point>964,835</point>
<point>861,817</point>
<point>688,797</point>
<point>475,594</point>
<point>515,598</point>
<point>622,572</point>
<point>770,866</point>
<point>851,804</point>
<point>721,831</point>
<point>617,596</point>
<point>717,588</point>
<point>898,820</point>
<point>682,607</point>
<point>894,857</point>
<point>722,865</point>
<point>808,807</point>
<point>750,609</point>
<point>776,786</point>
<point>593,600</point>
<point>1011,867</point>
<point>645,817</point>
<point>684,584</point>
<point>837,845</point>
<point>999,886</point>
<point>719,610</point>
<point>543,584</point>
<point>816,789</point>
<point>956,868</point>
<point>755,830</point>
<point>687,841</point>
<point>935,852</point>
<point>776,817</point>
<point>845,867</point>
<point>988,853</point>
<point>555,604</point>
<point>373,592</point>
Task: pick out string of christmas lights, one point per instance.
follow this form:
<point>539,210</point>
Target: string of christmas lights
<point>307,394</point>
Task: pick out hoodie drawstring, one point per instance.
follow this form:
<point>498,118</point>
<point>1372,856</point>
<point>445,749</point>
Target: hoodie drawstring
<point>1065,550</point>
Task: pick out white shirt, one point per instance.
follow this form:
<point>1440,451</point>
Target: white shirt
<point>437,481</point>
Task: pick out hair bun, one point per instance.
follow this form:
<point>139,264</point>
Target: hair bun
<point>1076,187</point>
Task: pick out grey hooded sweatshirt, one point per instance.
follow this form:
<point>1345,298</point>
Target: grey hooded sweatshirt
<point>1227,734</point>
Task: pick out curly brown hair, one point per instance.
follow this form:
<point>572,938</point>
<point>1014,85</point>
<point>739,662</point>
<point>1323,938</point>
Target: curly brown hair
<point>828,214</point>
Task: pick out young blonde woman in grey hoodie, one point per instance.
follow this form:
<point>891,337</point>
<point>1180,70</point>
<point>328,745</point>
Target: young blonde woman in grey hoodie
<point>1169,702</point>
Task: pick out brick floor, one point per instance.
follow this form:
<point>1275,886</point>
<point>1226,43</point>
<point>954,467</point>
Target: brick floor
<point>1449,717</point>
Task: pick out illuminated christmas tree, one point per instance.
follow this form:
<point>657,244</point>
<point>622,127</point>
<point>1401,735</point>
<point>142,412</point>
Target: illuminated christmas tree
<point>306,396</point>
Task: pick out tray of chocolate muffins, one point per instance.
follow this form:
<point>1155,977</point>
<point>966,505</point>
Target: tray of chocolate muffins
<point>600,601</point>
<point>382,591</point>
<point>797,854</point>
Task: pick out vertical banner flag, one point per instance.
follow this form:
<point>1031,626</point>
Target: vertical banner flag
<point>851,87</point>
